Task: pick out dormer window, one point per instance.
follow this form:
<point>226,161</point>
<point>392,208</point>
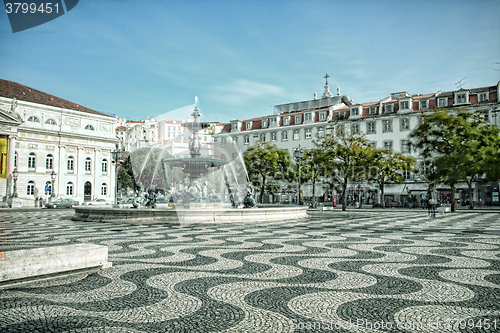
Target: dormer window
<point>423,105</point>
<point>297,120</point>
<point>308,116</point>
<point>264,124</point>
<point>461,98</point>
<point>322,116</point>
<point>249,125</point>
<point>286,121</point>
<point>442,102</point>
<point>373,110</point>
<point>273,121</point>
<point>482,97</point>
<point>355,111</point>
<point>403,105</point>
<point>388,108</point>
<point>234,126</point>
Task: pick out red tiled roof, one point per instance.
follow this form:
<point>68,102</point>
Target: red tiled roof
<point>21,92</point>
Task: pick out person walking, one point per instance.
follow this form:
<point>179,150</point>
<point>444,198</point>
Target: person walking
<point>433,200</point>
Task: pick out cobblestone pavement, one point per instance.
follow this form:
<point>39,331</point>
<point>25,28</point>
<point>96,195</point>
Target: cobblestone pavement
<point>336,271</point>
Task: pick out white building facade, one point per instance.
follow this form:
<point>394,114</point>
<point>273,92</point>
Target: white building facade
<point>55,136</point>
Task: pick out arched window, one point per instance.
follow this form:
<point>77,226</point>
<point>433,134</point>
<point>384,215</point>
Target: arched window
<point>71,164</point>
<point>33,119</point>
<point>88,165</point>
<point>89,127</point>
<point>31,162</point>
<point>30,189</point>
<point>104,166</point>
<point>49,162</point>
<point>69,188</point>
<point>104,189</point>
<point>50,121</point>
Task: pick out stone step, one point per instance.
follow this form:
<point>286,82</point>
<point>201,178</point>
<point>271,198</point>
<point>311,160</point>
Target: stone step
<point>20,266</point>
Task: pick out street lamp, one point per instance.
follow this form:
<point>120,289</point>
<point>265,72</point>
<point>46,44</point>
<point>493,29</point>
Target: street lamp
<point>298,155</point>
<point>15,175</point>
<point>117,155</point>
<point>53,178</point>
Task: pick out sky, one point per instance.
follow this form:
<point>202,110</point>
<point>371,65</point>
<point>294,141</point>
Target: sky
<point>140,59</point>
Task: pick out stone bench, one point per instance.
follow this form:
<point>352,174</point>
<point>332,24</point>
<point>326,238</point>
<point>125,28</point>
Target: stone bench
<point>22,266</point>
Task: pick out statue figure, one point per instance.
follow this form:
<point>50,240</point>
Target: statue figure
<point>14,105</point>
<point>315,95</point>
<point>204,191</point>
<point>195,144</point>
<point>151,198</point>
<point>249,201</point>
<point>338,91</point>
<point>140,199</point>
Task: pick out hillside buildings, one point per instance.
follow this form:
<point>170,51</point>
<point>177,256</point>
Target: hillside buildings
<point>43,137</point>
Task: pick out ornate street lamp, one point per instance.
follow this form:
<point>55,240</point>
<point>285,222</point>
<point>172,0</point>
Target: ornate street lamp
<point>298,155</point>
<point>53,176</point>
<point>117,155</point>
<point>15,175</point>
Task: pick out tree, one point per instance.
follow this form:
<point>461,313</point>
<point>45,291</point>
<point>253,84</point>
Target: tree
<point>125,176</point>
<point>344,156</point>
<point>265,161</point>
<point>388,166</point>
<point>311,169</point>
<point>458,145</point>
<point>147,168</point>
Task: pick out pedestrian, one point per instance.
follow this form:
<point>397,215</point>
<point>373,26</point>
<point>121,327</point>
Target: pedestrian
<point>433,201</point>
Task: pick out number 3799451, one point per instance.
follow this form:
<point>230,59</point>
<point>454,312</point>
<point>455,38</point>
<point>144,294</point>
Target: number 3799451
<point>24,7</point>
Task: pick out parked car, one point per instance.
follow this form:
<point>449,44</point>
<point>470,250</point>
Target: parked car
<point>96,202</point>
<point>61,203</point>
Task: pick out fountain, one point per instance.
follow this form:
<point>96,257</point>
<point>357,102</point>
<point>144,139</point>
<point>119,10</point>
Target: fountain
<point>190,200</point>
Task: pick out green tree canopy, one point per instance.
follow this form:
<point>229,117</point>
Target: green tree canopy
<point>264,162</point>
<point>458,145</point>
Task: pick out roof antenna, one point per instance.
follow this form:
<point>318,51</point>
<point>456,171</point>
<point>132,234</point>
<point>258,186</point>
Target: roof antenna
<point>459,84</point>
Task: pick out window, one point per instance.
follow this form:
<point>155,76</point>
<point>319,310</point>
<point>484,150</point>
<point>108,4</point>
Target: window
<point>246,139</point>
<point>234,126</point>
<point>89,127</point>
<point>286,121</point>
<point>30,189</point>
<point>442,102</point>
<point>104,166</point>
<point>373,110</point>
<point>273,136</point>
<point>49,162</point>
<point>340,130</point>
<point>31,162</point>
<point>355,111</point>
<point>264,123</point>
<point>322,116</point>
<point>405,124</point>
<point>297,119</point>
<point>423,105</point>
<point>33,119</point>
<point>69,188</point>
<point>249,125</point>
<point>403,105</point>
<point>388,144</point>
<point>262,136</point>
<point>482,97</point>
<point>235,140</point>
<point>387,126</point>
<point>370,127</point>
<point>273,121</point>
<point>308,133</point>
<point>296,134</point>
<point>88,165</point>
<point>308,116</point>
<point>284,136</point>
<point>71,164</point>
<point>50,121</point>
<point>223,142</point>
<point>104,189</point>
<point>461,98</point>
<point>355,129</point>
<point>321,131</point>
<point>405,146</point>
<point>373,144</point>
<point>388,108</point>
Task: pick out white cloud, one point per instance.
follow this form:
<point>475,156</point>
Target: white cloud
<point>240,92</point>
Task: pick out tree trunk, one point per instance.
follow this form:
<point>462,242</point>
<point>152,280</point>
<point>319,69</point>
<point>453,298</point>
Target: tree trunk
<point>452,187</point>
<point>314,197</point>
<point>382,199</point>
<point>469,185</point>
<point>262,189</point>
<point>344,196</point>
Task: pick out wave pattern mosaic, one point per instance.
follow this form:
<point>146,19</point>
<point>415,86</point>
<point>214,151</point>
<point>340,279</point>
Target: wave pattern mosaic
<point>337,272</point>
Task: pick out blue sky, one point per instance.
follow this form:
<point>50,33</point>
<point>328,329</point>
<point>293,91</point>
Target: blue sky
<point>143,58</point>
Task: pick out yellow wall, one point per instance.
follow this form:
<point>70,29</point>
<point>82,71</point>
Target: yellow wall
<point>4,153</point>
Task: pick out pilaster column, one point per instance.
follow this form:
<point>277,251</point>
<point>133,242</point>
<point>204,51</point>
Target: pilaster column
<point>10,164</point>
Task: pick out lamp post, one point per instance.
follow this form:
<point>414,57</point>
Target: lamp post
<point>298,155</point>
<point>15,175</point>
<point>117,155</point>
<point>53,176</point>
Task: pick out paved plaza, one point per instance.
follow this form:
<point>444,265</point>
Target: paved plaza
<point>337,271</point>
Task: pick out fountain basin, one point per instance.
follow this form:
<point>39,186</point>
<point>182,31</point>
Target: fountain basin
<point>180,216</point>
